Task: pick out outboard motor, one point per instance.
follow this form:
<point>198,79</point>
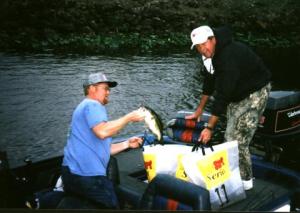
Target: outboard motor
<point>279,124</point>
<point>282,115</point>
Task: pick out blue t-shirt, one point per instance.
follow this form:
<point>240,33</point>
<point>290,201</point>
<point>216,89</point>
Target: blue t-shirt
<point>86,154</point>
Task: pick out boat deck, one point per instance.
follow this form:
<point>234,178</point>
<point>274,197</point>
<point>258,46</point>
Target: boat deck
<point>132,172</point>
<point>262,193</point>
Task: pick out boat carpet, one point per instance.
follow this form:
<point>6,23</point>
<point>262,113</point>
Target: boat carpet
<point>261,194</point>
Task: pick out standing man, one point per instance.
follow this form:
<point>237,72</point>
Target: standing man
<point>241,85</point>
<point>89,146</point>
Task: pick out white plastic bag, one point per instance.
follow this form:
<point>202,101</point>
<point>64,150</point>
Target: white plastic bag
<point>217,171</point>
<point>165,159</point>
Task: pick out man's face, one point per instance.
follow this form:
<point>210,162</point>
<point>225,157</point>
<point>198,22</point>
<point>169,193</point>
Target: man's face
<point>207,48</point>
<point>102,92</point>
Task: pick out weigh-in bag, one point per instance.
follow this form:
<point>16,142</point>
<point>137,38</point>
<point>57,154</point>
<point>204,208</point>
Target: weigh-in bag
<point>217,171</point>
<point>165,159</point>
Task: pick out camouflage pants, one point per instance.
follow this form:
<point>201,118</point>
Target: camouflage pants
<point>242,121</point>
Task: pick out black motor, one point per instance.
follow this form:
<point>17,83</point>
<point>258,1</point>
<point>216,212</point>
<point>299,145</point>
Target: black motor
<point>278,134</point>
<point>282,114</point>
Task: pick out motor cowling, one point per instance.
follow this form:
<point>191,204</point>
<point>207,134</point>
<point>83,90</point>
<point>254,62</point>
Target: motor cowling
<point>282,114</point>
<point>279,129</point>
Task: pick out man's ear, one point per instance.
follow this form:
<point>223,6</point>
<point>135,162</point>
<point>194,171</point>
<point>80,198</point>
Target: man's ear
<point>214,40</point>
<point>92,89</point>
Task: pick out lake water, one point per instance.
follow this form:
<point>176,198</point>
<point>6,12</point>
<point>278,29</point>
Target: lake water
<point>38,93</point>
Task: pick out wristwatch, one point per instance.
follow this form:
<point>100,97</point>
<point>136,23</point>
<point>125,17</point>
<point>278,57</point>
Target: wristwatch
<point>208,127</point>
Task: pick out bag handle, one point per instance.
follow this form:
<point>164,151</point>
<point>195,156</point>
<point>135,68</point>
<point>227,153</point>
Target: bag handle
<point>203,146</point>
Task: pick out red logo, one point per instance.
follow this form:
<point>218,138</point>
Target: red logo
<point>218,163</point>
<point>148,164</point>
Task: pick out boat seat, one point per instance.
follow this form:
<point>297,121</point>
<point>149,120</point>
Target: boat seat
<point>130,191</point>
<point>132,174</point>
<point>112,171</point>
<point>166,192</point>
<point>50,198</point>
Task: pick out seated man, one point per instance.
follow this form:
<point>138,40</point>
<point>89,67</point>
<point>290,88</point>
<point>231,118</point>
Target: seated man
<point>89,146</point>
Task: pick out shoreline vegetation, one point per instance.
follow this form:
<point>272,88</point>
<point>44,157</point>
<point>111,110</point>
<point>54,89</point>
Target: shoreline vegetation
<point>141,27</point>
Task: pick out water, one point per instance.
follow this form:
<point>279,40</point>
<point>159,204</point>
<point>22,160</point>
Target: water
<point>38,94</point>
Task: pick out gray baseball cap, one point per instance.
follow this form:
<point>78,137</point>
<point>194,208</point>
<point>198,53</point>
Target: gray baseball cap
<point>99,77</point>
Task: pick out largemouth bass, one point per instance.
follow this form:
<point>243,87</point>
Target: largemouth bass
<point>154,123</point>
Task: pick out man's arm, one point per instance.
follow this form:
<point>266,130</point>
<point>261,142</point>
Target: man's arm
<point>197,114</point>
<point>110,128</point>
<point>133,142</point>
<point>207,132</point>
<point>212,122</point>
<point>207,88</point>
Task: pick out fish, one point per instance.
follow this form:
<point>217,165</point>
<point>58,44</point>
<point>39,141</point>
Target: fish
<point>154,123</point>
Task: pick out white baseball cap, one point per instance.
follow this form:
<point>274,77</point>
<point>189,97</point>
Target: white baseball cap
<point>200,35</point>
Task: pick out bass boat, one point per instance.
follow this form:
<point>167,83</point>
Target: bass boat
<point>37,185</point>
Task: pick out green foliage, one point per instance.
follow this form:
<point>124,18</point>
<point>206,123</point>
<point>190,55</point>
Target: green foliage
<point>109,26</point>
<point>125,43</point>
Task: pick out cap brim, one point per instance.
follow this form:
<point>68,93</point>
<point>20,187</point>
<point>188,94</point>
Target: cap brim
<point>112,83</point>
<point>192,47</point>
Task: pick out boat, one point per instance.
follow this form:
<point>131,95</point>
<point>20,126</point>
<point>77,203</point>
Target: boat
<point>277,188</point>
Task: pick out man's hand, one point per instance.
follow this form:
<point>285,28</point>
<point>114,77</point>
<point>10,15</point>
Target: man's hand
<point>136,115</point>
<point>205,135</point>
<point>135,142</point>
<point>193,117</point>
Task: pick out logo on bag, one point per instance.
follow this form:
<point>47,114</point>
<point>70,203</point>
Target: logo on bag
<point>150,165</point>
<point>214,169</point>
<point>218,163</point>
